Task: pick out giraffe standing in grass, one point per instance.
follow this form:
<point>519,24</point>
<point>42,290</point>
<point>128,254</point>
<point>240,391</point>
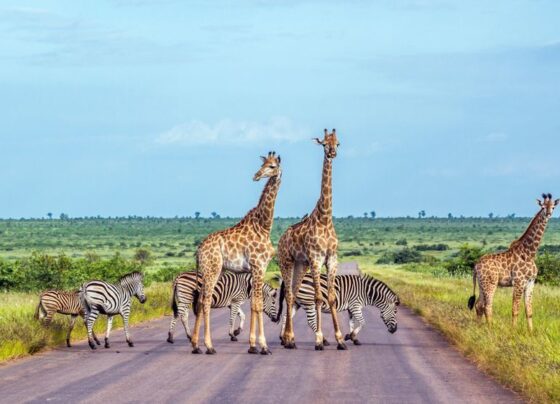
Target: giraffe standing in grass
<point>515,267</point>
<point>313,243</point>
<point>245,247</point>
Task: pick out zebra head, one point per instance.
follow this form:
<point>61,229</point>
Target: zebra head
<point>387,301</point>
<point>133,282</point>
<point>269,295</point>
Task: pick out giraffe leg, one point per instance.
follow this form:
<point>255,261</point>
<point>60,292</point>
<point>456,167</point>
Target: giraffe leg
<point>257,314</point>
<point>488,301</point>
<point>518,289</point>
<point>316,274</point>
<point>332,264</point>
<point>528,303</point>
<point>299,273</point>
<point>208,289</point>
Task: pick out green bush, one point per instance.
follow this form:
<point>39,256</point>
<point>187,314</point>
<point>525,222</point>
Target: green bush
<point>549,269</point>
<point>403,256</point>
<point>463,262</point>
<point>431,247</point>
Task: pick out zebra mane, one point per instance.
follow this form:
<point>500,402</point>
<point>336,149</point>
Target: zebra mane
<point>131,276</point>
<point>369,277</point>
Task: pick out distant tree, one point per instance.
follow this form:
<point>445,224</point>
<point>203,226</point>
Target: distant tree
<point>421,214</point>
<point>511,216</point>
<point>196,215</point>
<point>49,215</point>
<point>365,215</point>
<point>450,216</point>
<point>490,215</point>
<point>64,216</point>
<point>372,214</point>
<point>143,256</point>
<point>215,215</point>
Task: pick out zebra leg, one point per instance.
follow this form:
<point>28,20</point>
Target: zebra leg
<point>316,274</point>
<point>126,333</point>
<point>241,316</point>
<point>108,333</point>
<point>89,320</point>
<point>184,315</point>
<point>172,327</point>
<point>233,313</point>
<point>357,322</point>
<point>332,264</point>
<point>73,318</point>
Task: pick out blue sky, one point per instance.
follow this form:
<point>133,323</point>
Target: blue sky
<point>163,107</point>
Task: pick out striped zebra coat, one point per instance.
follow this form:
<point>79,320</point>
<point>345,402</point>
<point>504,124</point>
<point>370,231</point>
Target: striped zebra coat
<point>231,290</point>
<point>99,297</point>
<point>353,293</point>
<point>58,301</point>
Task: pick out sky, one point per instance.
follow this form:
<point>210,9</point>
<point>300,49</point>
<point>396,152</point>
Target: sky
<point>162,108</point>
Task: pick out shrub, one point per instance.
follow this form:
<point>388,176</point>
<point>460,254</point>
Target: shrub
<point>431,247</point>
<point>401,242</point>
<point>404,256</point>
<point>463,262</point>
<point>352,253</point>
<point>549,269</point>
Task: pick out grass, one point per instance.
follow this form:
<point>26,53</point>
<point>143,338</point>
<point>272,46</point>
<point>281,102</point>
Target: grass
<point>529,363</point>
<point>22,335</point>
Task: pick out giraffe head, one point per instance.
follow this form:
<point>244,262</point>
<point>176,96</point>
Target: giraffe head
<point>330,143</point>
<point>270,167</point>
<point>548,204</point>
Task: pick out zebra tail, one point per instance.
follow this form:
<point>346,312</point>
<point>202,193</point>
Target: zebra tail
<point>39,307</point>
<point>472,299</point>
<point>281,302</point>
<point>174,306</point>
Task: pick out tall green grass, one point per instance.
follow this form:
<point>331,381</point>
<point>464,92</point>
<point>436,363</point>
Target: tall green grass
<point>526,362</point>
<point>21,334</point>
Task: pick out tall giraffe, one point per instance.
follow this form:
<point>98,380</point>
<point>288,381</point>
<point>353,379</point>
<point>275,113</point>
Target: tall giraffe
<point>313,243</point>
<point>245,247</point>
<point>515,267</point>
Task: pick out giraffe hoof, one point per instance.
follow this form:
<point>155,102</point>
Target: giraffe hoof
<point>282,342</point>
<point>253,350</point>
<point>210,351</point>
<point>265,351</point>
<point>326,343</point>
<point>92,345</point>
<point>196,351</point>
<point>319,347</point>
<point>233,338</point>
<point>347,337</point>
<point>237,331</point>
<point>130,343</point>
<point>357,342</point>
<point>290,345</point>
<point>341,346</point>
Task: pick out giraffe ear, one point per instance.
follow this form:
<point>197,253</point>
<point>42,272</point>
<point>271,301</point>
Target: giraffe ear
<point>318,141</point>
<point>539,202</point>
<point>279,159</point>
<point>263,158</point>
<point>556,202</point>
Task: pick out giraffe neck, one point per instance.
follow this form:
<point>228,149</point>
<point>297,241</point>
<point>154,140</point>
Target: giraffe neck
<point>323,210</point>
<point>265,208</point>
<point>531,239</point>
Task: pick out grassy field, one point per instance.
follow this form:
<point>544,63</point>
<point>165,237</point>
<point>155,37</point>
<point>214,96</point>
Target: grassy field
<point>529,363</point>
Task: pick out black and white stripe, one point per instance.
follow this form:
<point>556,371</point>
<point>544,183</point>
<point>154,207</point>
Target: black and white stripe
<point>58,301</point>
<point>99,297</point>
<point>353,292</point>
<point>232,289</point>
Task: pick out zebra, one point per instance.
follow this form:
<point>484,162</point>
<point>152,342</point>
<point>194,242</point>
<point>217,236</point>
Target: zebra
<point>231,291</point>
<point>353,292</point>
<point>58,301</point>
<point>99,297</point>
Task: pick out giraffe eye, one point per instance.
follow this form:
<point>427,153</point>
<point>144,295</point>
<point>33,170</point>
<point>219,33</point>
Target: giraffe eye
<point>271,166</point>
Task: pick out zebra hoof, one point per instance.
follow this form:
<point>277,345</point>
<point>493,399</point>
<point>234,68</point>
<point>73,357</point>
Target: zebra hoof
<point>325,342</point>
<point>170,338</point>
<point>210,351</point>
<point>357,342</point>
<point>265,351</point>
<point>319,347</point>
<point>97,342</point>
<point>253,350</point>
<point>196,351</point>
<point>189,337</point>
<point>92,345</point>
<point>130,344</point>
<point>341,346</point>
<point>107,345</point>
<point>233,338</point>
<point>237,331</point>
<point>347,337</point>
<point>68,344</point>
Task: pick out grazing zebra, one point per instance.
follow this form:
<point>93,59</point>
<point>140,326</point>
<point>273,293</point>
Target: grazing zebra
<point>57,301</point>
<point>100,297</point>
<point>353,292</point>
<point>231,291</point>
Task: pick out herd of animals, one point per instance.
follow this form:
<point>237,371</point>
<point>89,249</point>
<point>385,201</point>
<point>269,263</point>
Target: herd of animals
<point>231,264</point>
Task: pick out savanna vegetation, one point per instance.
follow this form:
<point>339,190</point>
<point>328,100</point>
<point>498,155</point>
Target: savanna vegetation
<point>428,261</point>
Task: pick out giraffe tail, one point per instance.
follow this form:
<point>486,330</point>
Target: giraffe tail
<point>472,299</point>
<point>280,302</point>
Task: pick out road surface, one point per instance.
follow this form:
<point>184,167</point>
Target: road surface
<point>414,365</point>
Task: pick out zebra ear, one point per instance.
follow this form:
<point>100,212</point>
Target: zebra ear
<point>398,302</point>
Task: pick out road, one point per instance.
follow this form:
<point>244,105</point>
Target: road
<point>414,365</point>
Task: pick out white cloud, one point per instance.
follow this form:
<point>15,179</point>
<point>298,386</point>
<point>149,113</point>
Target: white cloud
<point>226,131</point>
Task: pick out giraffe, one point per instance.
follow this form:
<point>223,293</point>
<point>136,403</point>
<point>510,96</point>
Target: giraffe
<point>515,267</point>
<point>245,247</point>
<point>313,243</point>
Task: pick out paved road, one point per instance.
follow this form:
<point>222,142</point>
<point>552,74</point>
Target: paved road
<point>414,365</point>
